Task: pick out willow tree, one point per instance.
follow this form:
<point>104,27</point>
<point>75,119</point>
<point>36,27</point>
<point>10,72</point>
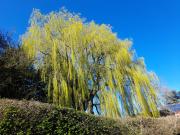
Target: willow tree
<point>87,67</point>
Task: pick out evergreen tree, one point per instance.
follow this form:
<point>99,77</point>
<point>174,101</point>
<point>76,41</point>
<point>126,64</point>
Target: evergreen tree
<point>18,78</point>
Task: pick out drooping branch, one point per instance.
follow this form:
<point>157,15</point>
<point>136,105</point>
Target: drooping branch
<point>85,61</point>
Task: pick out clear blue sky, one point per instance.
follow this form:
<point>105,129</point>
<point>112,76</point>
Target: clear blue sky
<point>153,25</point>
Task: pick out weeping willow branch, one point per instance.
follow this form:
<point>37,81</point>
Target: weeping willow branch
<point>84,60</point>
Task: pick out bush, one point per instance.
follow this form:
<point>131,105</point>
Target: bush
<point>166,112</point>
<point>27,117</point>
<point>22,117</point>
<point>18,78</point>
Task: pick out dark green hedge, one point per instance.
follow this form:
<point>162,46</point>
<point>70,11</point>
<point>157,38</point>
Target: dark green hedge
<point>34,118</point>
<point>38,119</point>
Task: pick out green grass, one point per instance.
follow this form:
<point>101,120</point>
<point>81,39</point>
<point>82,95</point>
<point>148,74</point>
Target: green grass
<point>29,117</point>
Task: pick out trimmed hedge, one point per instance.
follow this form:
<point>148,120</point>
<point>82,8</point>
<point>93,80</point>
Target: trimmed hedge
<point>27,117</point>
<point>24,117</point>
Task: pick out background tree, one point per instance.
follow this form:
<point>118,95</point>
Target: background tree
<point>18,78</point>
<point>172,97</point>
<point>87,67</point>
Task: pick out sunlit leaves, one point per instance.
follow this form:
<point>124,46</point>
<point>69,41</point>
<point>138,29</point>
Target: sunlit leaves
<point>81,61</point>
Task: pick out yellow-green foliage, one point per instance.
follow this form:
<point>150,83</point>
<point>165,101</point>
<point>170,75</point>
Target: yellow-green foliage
<point>78,58</point>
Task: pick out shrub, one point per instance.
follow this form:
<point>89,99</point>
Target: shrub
<point>22,117</point>
<point>27,117</point>
<point>165,112</point>
<point>18,78</point>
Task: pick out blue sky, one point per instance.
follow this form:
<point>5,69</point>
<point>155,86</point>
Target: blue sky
<point>153,25</point>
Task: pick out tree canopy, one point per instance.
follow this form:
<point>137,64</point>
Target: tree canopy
<point>18,78</point>
<point>87,67</point>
